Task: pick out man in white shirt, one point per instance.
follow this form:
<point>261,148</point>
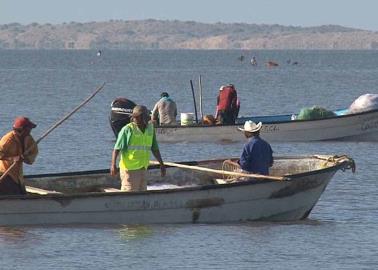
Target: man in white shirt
<point>165,111</point>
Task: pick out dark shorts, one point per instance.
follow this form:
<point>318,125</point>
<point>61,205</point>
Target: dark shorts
<point>10,187</point>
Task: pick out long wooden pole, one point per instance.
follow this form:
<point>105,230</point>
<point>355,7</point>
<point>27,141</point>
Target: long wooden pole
<point>200,95</point>
<point>51,129</point>
<point>194,100</point>
<point>198,168</point>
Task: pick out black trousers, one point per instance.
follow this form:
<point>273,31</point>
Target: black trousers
<point>226,117</point>
<point>10,187</point>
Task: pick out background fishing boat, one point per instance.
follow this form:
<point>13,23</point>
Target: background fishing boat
<point>190,193</point>
<point>281,128</point>
<point>311,124</point>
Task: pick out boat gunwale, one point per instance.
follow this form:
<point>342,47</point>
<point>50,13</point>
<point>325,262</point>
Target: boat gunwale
<point>252,181</point>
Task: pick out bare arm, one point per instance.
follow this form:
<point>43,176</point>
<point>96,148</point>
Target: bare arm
<point>113,167</point>
<point>156,153</point>
<point>155,112</point>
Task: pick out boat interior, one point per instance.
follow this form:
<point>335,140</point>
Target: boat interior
<point>280,118</point>
<point>201,173</point>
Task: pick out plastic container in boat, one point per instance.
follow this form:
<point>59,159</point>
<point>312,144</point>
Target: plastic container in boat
<point>187,119</point>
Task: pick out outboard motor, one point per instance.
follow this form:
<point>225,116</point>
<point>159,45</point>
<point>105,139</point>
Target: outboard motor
<point>120,115</point>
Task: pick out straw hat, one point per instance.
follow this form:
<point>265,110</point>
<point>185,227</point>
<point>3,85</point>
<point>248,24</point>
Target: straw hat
<point>250,126</point>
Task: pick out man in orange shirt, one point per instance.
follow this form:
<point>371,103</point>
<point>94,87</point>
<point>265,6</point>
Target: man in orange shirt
<point>16,146</point>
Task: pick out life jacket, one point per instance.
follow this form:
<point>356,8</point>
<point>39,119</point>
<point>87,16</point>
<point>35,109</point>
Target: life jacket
<point>137,155</point>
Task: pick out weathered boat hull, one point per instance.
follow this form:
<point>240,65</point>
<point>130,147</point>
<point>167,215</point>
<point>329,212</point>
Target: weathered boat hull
<point>210,203</point>
<point>358,127</point>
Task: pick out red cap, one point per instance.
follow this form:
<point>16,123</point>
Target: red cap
<point>22,122</point>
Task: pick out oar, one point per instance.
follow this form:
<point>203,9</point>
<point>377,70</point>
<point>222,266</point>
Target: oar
<point>51,129</point>
<point>198,168</point>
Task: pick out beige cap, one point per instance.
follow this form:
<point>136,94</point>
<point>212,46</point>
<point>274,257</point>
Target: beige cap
<point>139,110</point>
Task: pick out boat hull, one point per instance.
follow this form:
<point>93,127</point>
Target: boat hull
<point>250,200</point>
<point>356,127</point>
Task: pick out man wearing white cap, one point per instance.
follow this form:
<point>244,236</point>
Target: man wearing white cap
<point>257,155</point>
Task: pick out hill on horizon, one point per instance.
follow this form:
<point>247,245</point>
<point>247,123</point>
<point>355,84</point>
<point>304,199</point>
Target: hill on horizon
<point>174,34</point>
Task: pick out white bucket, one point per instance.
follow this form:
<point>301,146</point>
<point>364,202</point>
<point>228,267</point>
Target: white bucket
<point>187,119</point>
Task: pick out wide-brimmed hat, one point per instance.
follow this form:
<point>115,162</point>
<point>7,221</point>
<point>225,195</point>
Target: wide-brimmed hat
<point>139,110</point>
<point>23,122</point>
<point>250,126</point>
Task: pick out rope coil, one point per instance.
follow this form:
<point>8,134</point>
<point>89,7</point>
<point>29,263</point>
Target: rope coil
<point>347,161</point>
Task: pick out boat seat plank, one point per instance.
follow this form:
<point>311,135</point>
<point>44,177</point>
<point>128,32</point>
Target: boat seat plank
<point>109,189</point>
<point>220,181</point>
<point>40,191</point>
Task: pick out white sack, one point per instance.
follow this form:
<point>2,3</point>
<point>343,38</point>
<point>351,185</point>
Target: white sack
<point>364,103</point>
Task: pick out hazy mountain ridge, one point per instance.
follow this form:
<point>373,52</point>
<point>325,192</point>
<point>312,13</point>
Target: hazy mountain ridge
<point>160,34</point>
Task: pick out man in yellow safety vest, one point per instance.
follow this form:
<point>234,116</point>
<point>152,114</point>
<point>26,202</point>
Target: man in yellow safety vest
<point>134,143</point>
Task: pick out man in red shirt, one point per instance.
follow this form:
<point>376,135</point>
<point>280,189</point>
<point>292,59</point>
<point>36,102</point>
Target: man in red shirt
<point>227,105</point>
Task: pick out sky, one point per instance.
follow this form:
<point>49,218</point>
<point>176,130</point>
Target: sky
<point>360,14</point>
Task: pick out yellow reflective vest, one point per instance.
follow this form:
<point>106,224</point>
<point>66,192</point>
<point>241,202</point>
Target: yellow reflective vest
<point>137,155</point>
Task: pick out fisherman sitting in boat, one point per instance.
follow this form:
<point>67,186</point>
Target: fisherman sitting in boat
<point>227,105</point>
<point>257,155</point>
<point>134,142</point>
<point>165,111</point>
<point>17,146</point>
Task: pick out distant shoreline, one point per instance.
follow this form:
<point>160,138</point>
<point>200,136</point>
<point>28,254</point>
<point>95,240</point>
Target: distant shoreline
<point>179,35</point>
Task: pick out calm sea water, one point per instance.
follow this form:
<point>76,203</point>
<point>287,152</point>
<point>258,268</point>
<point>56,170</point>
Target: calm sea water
<point>341,232</point>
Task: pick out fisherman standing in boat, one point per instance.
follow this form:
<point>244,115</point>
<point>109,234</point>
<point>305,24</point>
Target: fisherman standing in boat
<point>227,105</point>
<point>164,111</point>
<point>257,155</point>
<point>17,146</point>
<point>135,141</point>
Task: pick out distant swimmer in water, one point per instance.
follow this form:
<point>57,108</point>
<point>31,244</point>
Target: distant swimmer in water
<point>99,53</point>
<point>293,63</point>
<point>253,61</point>
<point>271,64</point>
<point>241,58</point>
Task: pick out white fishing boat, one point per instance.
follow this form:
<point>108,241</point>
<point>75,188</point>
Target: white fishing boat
<point>191,192</point>
<point>361,126</point>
